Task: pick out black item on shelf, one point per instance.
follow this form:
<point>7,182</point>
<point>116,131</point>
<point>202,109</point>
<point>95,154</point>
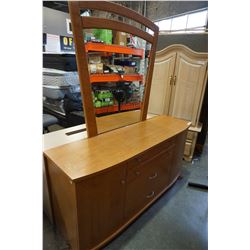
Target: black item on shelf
<point>125,63</point>
<point>126,87</point>
<point>119,95</point>
<point>66,62</point>
<point>147,53</point>
<point>107,69</point>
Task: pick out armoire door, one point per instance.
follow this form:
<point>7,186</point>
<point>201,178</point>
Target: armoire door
<point>188,87</point>
<point>161,89</point>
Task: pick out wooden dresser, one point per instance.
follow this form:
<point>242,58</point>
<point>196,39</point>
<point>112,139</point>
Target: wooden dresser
<point>101,184</point>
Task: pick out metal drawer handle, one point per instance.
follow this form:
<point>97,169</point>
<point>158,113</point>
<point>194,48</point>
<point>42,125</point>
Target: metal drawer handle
<point>153,177</point>
<point>150,195</point>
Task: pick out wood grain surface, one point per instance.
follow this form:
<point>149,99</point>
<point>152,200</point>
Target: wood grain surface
<point>86,157</point>
<point>82,67</point>
<point>104,124</point>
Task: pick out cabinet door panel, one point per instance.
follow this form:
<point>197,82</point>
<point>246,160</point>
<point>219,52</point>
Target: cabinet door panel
<point>178,155</point>
<point>137,190</point>
<point>101,206</point>
<point>186,96</point>
<point>162,168</point>
<point>161,88</point>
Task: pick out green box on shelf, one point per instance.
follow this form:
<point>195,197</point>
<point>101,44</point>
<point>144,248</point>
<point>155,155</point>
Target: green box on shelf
<point>103,35</point>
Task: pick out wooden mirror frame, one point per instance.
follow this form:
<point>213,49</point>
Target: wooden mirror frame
<point>79,23</point>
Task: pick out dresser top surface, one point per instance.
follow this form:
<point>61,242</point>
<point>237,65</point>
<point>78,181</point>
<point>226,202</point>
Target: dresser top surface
<point>91,155</point>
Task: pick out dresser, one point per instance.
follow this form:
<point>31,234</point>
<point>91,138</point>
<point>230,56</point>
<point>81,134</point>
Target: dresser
<point>99,185</point>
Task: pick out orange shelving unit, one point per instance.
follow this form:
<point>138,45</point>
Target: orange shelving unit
<point>108,109</point>
<point>112,48</point>
<point>115,77</point>
<point>111,109</point>
<point>130,106</point>
<point>107,50</point>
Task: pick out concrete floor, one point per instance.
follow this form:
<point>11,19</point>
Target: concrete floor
<point>177,221</point>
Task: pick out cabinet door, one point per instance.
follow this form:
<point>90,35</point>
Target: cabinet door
<point>189,86</point>
<point>177,155</point>
<point>161,88</point>
<point>137,191</point>
<point>100,206</point>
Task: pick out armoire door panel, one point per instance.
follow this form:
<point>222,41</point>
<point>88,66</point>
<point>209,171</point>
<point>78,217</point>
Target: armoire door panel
<point>161,88</point>
<point>186,93</point>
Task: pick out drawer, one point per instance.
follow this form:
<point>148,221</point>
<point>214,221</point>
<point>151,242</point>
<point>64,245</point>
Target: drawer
<point>190,135</point>
<point>147,181</point>
<point>152,152</point>
<point>138,165</point>
<point>187,149</point>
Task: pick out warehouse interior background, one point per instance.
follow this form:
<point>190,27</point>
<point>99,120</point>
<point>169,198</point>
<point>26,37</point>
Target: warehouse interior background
<point>182,200</point>
<point>227,157</point>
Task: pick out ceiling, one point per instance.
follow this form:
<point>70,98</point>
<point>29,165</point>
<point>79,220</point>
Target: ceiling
<point>57,5</point>
<point>63,5</point>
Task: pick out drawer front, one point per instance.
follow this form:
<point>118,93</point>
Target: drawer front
<point>137,164</point>
<point>146,180</point>
<point>187,149</point>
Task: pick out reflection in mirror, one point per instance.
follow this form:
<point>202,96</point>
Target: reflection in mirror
<point>117,75</point>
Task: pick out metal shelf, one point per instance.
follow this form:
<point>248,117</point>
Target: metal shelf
<point>112,48</point>
<point>115,77</point>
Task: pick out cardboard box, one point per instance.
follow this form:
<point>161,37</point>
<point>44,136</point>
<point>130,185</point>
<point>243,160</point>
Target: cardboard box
<point>129,70</point>
<point>96,68</point>
<point>94,59</point>
<point>120,38</point>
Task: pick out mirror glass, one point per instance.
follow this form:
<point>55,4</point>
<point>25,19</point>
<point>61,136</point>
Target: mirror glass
<point>117,64</point>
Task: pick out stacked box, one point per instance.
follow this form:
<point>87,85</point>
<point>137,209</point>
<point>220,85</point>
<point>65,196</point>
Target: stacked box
<point>120,38</point>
